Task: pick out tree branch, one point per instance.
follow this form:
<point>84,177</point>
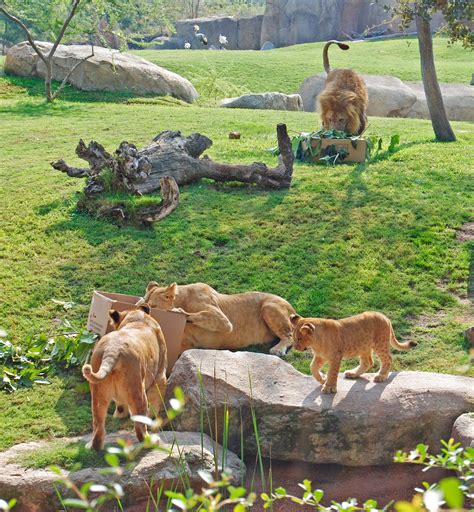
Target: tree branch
<point>72,12</point>
<point>71,71</point>
<point>18,22</point>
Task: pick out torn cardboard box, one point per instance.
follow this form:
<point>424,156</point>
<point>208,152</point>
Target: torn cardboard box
<point>341,150</point>
<point>172,324</point>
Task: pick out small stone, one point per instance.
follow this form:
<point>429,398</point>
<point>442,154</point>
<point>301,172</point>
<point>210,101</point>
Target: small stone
<point>234,135</point>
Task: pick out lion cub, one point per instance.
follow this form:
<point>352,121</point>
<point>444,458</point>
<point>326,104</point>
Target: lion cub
<point>359,335</point>
<point>128,365</point>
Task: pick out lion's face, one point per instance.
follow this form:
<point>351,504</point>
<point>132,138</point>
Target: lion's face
<point>339,111</point>
<point>303,333</point>
<point>160,297</point>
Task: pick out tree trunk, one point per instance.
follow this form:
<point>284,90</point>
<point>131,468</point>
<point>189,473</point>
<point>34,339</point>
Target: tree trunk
<point>170,160</point>
<point>439,119</point>
<point>47,82</point>
<point>172,154</point>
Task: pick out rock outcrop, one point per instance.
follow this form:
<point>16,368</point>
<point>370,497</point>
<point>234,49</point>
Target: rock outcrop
<point>34,488</point>
<point>364,424</point>
<point>266,100</point>
<point>241,33</point>
<point>458,100</point>
<point>108,70</point>
<point>288,22</point>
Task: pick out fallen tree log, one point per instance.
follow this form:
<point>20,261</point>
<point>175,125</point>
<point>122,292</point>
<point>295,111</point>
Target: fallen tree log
<point>172,154</point>
<point>170,160</point>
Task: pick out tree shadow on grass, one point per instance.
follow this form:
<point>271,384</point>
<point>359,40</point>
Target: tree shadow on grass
<point>34,88</point>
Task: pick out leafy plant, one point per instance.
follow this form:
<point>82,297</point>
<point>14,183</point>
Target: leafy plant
<point>41,355</point>
<point>305,149</point>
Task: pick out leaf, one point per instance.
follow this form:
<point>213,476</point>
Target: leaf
<point>73,502</point>
<point>394,142</point>
<point>453,495</point>
<point>112,460</point>
<point>66,305</point>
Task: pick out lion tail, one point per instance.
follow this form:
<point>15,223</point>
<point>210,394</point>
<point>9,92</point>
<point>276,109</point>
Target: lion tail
<point>107,365</point>
<point>342,46</point>
<point>400,346</point>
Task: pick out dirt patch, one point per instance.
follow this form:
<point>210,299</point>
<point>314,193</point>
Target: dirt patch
<point>466,232</point>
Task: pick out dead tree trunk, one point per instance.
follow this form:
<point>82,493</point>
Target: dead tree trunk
<point>172,154</point>
<point>434,99</point>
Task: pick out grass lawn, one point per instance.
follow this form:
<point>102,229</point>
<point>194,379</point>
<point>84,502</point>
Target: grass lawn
<point>342,240</point>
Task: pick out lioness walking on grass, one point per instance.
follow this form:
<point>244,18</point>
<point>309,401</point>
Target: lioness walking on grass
<point>332,340</point>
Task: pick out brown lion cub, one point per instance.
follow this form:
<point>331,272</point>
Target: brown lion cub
<point>359,335</point>
<point>344,100</point>
<point>128,365</point>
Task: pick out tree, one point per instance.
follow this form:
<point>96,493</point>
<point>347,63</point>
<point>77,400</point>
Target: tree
<point>458,15</point>
<point>47,58</point>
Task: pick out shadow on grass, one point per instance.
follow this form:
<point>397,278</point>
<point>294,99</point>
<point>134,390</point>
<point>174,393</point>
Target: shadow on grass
<point>33,88</point>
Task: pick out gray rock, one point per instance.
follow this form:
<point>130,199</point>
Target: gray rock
<point>288,22</point>
<point>463,430</point>
<point>458,100</point>
<point>363,424</point>
<point>266,100</point>
<point>108,70</point>
<point>242,33</point>
<point>35,492</point>
<point>267,45</point>
<point>388,95</point>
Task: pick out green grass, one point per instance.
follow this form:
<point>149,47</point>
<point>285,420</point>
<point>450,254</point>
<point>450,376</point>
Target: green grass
<point>64,454</point>
<point>340,241</point>
<point>217,74</point>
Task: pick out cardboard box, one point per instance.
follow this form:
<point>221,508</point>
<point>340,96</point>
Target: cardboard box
<point>356,149</point>
<point>172,324</point>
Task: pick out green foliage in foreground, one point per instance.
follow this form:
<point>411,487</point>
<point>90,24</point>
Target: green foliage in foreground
<point>219,493</point>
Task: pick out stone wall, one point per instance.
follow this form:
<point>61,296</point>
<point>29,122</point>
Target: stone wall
<point>241,33</point>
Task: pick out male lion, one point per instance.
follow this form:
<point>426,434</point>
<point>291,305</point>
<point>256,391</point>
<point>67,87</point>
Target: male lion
<point>128,365</point>
<point>343,102</point>
<point>359,335</point>
<point>221,321</point>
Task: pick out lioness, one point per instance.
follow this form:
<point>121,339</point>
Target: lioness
<point>221,321</point>
<point>359,335</point>
<point>128,365</point>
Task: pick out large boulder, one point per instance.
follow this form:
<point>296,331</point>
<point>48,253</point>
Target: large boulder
<point>108,70</point>
<point>363,424</point>
<point>266,100</point>
<point>458,100</point>
<point>463,430</point>
<point>388,95</point>
<point>242,33</point>
<point>34,488</point>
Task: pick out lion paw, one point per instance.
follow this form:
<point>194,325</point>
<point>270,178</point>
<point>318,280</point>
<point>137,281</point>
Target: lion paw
<point>351,375</point>
<point>380,378</point>
<point>329,389</point>
<point>277,352</point>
